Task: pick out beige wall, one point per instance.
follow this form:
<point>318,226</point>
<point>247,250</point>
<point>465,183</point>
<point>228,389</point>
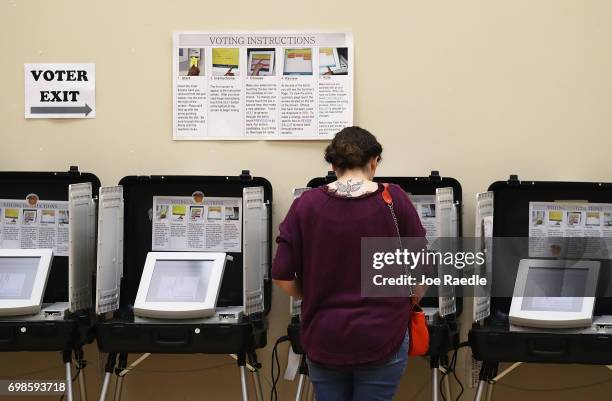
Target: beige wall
<point>477,89</point>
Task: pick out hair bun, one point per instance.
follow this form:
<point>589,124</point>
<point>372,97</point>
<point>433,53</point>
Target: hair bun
<point>353,147</point>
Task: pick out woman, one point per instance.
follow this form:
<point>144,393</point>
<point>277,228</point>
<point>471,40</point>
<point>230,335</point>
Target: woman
<point>356,347</point>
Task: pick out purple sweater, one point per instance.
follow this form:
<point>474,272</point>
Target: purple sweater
<point>319,243</point>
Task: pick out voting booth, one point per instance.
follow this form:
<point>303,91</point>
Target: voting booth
<point>438,201</point>
<point>47,248</point>
<point>549,241</point>
<point>184,267</point>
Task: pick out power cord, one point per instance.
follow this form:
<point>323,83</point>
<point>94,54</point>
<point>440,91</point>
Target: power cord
<point>276,363</point>
<point>450,368</point>
<point>454,370</point>
<point>444,374</point>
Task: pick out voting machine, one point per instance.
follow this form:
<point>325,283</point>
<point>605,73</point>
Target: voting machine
<point>47,248</point>
<point>194,275</point>
<point>549,242</point>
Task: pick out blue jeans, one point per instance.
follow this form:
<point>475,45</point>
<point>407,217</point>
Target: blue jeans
<point>371,383</point>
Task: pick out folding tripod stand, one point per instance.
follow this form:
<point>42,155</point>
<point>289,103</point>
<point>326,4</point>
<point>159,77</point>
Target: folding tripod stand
<point>120,368</point>
<point>80,365</point>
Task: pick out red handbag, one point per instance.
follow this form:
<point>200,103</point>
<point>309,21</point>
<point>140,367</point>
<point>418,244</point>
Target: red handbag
<point>419,333</point>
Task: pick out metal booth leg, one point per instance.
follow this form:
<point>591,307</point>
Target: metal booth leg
<point>108,371</point>
<point>81,364</point>
<point>256,377</point>
<point>434,364</point>
<point>480,389</point>
<point>300,388</point>
<point>67,358</point>
<point>494,377</point>
<point>123,358</point>
<point>243,376</point>
<point>488,371</point>
<point>434,384</point>
<point>490,391</point>
<point>447,388</point>
<point>302,380</point>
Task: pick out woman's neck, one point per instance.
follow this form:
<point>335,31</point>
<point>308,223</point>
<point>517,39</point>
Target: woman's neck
<point>353,183</point>
<point>354,175</point>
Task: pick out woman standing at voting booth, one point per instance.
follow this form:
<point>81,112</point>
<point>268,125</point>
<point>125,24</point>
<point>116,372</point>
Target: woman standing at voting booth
<point>356,347</point>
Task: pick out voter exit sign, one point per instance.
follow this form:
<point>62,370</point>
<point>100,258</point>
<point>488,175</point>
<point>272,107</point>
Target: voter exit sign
<point>60,90</point>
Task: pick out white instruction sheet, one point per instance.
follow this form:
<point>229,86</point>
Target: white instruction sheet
<point>34,224</point>
<point>425,206</point>
<point>551,222</point>
<point>261,85</point>
<point>197,223</point>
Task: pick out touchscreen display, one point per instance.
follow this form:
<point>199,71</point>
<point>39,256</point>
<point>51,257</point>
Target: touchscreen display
<point>17,275</point>
<point>555,289</point>
<point>180,281</point>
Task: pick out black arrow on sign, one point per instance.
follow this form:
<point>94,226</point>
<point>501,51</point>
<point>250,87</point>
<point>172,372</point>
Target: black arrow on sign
<point>62,110</point>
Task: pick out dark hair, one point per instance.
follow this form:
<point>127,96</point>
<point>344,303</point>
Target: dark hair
<point>353,147</point>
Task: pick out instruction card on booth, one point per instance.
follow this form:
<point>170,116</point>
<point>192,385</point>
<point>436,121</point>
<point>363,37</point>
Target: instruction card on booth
<point>34,224</point>
<point>551,223</point>
<point>196,223</point>
<point>60,90</point>
<point>425,206</point>
<point>262,85</point>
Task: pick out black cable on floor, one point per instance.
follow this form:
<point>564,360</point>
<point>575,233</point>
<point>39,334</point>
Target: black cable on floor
<point>450,368</point>
<point>276,362</point>
<point>444,374</point>
<point>455,375</point>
